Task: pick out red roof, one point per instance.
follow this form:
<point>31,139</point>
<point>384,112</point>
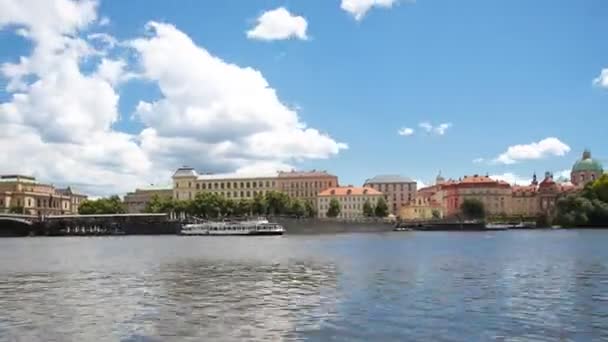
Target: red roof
<point>349,190</point>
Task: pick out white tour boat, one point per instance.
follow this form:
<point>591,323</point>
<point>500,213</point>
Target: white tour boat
<point>249,227</point>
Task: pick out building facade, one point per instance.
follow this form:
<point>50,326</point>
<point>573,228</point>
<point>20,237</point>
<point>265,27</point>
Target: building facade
<point>421,208</point>
<point>137,201</point>
<point>305,185</point>
<point>586,170</point>
<point>351,200</point>
<point>187,183</point>
<point>398,191</point>
<point>494,194</point>
<point>24,195</point>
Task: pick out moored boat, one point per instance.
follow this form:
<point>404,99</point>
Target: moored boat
<point>225,228</point>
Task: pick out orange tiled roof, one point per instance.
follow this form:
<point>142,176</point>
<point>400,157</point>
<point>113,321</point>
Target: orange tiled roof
<point>476,180</point>
<point>344,190</point>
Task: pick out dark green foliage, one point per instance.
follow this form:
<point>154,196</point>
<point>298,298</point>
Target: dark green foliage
<point>111,205</point>
<point>310,209</point>
<point>297,208</point>
<point>16,210</point>
<point>334,208</point>
<point>473,209</point>
<point>368,209</point>
<point>381,208</point>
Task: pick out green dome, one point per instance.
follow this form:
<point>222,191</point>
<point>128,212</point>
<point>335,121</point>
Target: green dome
<point>587,164</point>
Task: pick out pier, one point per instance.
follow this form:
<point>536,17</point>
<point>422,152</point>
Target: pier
<point>87,225</point>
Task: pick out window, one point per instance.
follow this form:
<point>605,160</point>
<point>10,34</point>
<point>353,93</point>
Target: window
<point>189,184</point>
<point>38,203</point>
<point>267,184</point>
<point>215,185</point>
<point>203,186</point>
<point>248,185</point>
<point>248,194</point>
<point>221,185</point>
<point>198,186</point>
<point>235,194</point>
<point>228,185</point>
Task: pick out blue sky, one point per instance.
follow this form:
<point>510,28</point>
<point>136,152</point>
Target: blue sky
<point>497,74</point>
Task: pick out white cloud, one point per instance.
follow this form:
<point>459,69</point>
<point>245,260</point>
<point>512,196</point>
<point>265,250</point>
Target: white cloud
<point>406,131</point>
<point>426,126</point>
<point>420,184</point>
<point>536,150</point>
<point>602,79</point>
<point>440,129</point>
<point>358,8</point>
<point>58,123</point>
<point>279,24</point>
<point>512,178</point>
<point>478,160</point>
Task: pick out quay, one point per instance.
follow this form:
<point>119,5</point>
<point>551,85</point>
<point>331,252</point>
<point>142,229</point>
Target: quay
<point>87,225</point>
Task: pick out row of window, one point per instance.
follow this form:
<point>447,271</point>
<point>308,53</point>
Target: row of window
<point>355,206</point>
<point>228,185</point>
<point>306,185</point>
<point>394,187</point>
<point>349,199</point>
<point>227,194</point>
<point>39,203</point>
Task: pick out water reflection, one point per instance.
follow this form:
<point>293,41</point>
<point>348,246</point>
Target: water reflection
<point>511,286</point>
<point>192,299</point>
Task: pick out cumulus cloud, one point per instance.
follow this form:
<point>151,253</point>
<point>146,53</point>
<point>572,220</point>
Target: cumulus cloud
<point>602,79</point>
<point>279,24</point>
<point>406,131</point>
<point>59,121</point>
<point>536,150</point>
<point>440,129</point>
<point>358,8</point>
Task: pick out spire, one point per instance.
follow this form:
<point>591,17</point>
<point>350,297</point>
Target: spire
<point>534,179</point>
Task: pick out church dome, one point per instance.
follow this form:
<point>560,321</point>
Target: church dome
<point>587,164</point>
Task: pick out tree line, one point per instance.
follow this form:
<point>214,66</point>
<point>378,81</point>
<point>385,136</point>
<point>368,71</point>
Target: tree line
<point>210,205</point>
<point>588,207</point>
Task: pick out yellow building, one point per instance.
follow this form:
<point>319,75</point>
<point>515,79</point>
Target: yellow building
<point>136,202</point>
<point>23,194</point>
<point>187,183</point>
<point>421,209</point>
<point>351,200</point>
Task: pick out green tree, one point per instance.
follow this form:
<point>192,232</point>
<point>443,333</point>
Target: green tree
<point>310,209</point>
<point>297,208</point>
<point>16,210</point>
<point>334,208</point>
<point>259,206</point>
<point>243,207</point>
<point>436,214</point>
<point>278,203</point>
<point>111,205</point>
<point>600,188</point>
<point>158,204</point>
<point>381,208</point>
<point>473,209</point>
<point>368,209</point>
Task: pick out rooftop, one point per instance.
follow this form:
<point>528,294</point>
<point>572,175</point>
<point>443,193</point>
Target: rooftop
<point>349,190</point>
<point>389,179</point>
<point>302,174</point>
<point>185,171</point>
<point>17,178</point>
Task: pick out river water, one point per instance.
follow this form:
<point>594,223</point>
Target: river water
<point>408,286</point>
